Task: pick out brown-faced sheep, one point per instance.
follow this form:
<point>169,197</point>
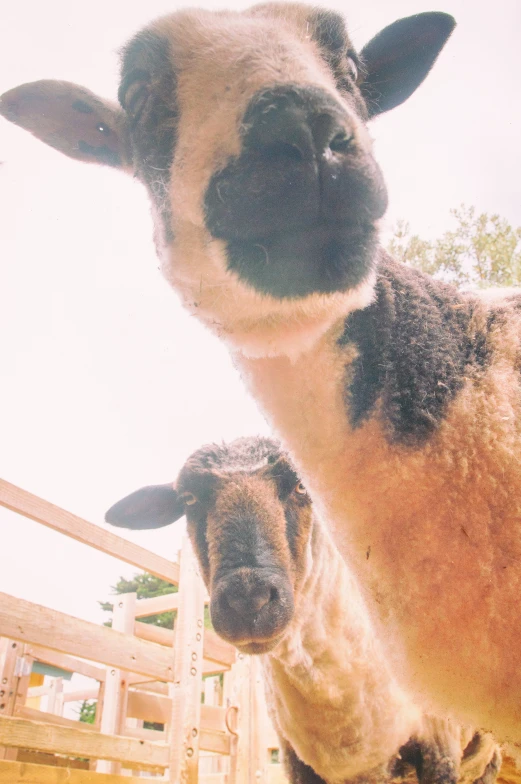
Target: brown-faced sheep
<point>279,587</point>
<point>397,396</point>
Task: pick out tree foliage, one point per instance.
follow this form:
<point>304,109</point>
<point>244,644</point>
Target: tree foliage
<point>482,250</point>
<point>88,711</point>
<point>146,586</point>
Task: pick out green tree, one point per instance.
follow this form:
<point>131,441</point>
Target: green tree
<point>482,250</point>
<point>147,587</point>
<point>88,711</point>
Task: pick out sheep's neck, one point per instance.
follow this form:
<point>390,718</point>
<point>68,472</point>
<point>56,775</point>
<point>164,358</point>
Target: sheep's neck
<point>426,529</point>
<point>330,672</point>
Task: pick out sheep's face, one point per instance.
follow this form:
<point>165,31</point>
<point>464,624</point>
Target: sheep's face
<point>249,520</point>
<point>249,131</point>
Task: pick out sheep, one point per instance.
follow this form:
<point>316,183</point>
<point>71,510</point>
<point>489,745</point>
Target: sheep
<point>396,395</point>
<point>280,589</point>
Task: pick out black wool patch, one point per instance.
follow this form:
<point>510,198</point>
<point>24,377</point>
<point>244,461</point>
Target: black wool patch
<point>416,346</point>
<point>148,94</point>
<point>296,770</point>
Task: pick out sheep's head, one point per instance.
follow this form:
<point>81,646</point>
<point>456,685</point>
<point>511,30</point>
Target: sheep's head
<point>249,520</point>
<point>249,131</point>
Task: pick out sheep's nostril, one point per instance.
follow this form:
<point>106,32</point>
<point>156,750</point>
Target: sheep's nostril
<point>283,150</point>
<point>341,142</point>
<point>249,602</point>
<point>274,595</point>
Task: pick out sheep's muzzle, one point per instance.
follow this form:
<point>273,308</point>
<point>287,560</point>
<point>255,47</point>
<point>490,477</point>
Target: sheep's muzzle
<point>298,207</point>
<point>252,607</point>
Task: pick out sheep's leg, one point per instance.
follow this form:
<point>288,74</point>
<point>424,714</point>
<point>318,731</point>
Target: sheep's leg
<point>435,754</point>
<point>490,773</point>
<point>481,760</point>
<point>296,770</point>
<point>438,765</point>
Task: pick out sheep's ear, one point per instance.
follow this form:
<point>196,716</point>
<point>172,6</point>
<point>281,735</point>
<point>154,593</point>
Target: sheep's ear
<point>151,507</point>
<point>397,60</point>
<point>69,118</point>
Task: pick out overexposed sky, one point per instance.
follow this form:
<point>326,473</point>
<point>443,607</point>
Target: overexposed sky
<point>106,383</point>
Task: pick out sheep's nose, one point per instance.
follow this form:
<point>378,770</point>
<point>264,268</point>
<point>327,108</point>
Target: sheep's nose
<point>250,599</point>
<point>297,123</point>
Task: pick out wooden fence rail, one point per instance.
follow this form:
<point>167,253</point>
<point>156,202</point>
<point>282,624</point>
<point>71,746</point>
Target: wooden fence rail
<point>207,721</point>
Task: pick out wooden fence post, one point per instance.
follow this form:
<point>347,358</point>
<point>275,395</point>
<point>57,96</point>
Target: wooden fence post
<point>12,669</point>
<point>114,710</point>
<point>260,720</point>
<point>186,689</point>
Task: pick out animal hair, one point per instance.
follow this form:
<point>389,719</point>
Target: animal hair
<point>397,396</point>
<point>338,710</point>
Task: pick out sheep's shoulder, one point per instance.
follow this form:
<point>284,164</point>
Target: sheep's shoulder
<point>416,346</point>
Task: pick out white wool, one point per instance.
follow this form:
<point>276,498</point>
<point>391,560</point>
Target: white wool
<point>328,684</point>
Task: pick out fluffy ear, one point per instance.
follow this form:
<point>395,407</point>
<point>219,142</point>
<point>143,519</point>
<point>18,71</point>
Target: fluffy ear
<point>398,59</point>
<point>151,507</point>
<point>70,119</point>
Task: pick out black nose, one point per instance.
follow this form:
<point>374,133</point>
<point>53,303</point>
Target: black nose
<point>297,123</point>
<point>250,599</point>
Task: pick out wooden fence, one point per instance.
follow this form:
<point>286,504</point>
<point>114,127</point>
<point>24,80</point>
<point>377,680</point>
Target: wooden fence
<point>207,699</point>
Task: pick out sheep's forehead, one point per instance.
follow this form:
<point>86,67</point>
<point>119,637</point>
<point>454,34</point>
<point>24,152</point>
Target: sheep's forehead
<point>245,456</point>
<point>219,53</point>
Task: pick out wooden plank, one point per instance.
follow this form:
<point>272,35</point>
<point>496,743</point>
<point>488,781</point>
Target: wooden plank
<point>68,663</point>
<point>156,736</point>
<point>147,631</point>
<point>31,714</point>
<point>140,754</point>
<point>54,701</point>
<point>218,654</point>
<point>277,774</point>
<point>156,708</point>
<point>27,622</point>
<point>44,758</point>
<point>213,778</point>
<point>213,668</point>
<point>260,722</point>
<point>29,505</point>
<point>150,707</point>
<point>12,662</point>
<point>188,660</point>
<point>114,711</point>
<point>80,696</point>
<point>213,718</point>
<point>217,742</point>
<point>217,650</point>
<point>152,686</point>
<point>240,719</point>
<point>26,773</point>
<point>157,604</point>
<point>38,691</point>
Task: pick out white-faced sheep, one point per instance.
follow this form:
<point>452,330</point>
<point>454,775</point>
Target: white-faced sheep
<point>397,396</point>
<point>279,587</point>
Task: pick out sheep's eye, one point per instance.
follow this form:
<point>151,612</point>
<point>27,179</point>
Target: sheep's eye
<point>189,499</point>
<point>135,98</point>
<point>300,489</point>
<point>353,68</point>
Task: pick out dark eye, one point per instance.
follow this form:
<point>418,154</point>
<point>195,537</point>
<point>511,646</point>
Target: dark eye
<point>300,489</point>
<point>189,499</point>
<point>353,68</point>
<point>135,98</point>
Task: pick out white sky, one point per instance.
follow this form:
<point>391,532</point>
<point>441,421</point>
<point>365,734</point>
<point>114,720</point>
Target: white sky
<point>106,383</point>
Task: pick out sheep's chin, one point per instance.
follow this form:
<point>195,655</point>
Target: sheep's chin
<point>256,648</point>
